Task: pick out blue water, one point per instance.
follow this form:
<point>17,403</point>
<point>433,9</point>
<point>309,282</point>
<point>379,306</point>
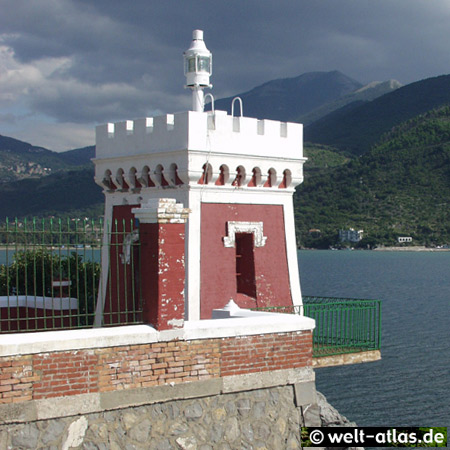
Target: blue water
<point>410,386</point>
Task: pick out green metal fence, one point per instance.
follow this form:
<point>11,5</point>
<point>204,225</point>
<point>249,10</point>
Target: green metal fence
<point>343,325</point>
<point>51,276</point>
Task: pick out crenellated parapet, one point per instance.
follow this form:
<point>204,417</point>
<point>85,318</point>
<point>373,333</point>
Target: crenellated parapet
<point>199,148</point>
<point>202,131</point>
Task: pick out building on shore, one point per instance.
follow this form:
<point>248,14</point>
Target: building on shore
<point>350,235</point>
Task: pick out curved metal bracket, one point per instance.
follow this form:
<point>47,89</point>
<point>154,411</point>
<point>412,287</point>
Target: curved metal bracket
<point>240,104</point>
<point>212,101</point>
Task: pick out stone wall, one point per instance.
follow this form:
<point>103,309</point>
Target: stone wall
<point>258,419</point>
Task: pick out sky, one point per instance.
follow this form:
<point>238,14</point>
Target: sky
<point>69,65</point>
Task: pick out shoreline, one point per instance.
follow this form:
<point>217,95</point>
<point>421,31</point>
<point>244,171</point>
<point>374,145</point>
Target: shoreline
<point>410,249</point>
<point>386,249</point>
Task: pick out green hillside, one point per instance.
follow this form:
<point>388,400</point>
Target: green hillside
<point>322,157</point>
<point>20,160</point>
<point>78,156</point>
<point>400,188</point>
<point>71,192</point>
<point>39,182</point>
<point>357,127</point>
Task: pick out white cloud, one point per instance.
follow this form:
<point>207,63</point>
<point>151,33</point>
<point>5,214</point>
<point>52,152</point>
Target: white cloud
<point>40,102</point>
<point>55,136</point>
<point>17,79</point>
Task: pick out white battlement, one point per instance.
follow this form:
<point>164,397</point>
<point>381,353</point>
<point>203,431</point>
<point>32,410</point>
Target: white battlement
<point>200,131</point>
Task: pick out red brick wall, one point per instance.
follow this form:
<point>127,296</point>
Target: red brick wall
<point>267,352</point>
<point>65,373</point>
<point>16,379</point>
<point>155,364</point>
<point>56,374</point>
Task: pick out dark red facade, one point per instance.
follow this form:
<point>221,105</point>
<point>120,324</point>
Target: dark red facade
<point>251,276</point>
<point>163,274</point>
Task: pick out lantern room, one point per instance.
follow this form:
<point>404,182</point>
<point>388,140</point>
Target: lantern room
<point>197,69</point>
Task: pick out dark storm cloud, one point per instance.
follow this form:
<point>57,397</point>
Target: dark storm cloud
<point>86,61</point>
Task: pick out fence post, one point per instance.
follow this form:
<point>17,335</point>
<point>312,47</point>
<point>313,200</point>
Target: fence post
<point>162,245</point>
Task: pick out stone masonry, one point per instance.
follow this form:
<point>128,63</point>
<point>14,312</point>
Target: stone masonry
<point>259,419</point>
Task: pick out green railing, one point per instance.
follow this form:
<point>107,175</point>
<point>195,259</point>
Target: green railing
<point>343,325</point>
<point>51,275</point>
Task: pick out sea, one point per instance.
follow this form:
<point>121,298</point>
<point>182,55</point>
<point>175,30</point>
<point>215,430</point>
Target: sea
<point>410,385</point>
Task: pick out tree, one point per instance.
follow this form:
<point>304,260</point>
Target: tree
<point>33,272</point>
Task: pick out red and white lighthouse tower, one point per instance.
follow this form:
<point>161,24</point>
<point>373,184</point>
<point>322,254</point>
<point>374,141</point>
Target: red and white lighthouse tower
<point>235,174</point>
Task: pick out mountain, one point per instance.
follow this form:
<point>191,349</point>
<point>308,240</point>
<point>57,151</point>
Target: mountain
<point>356,127</point>
<point>367,93</point>
<point>20,147</point>
<point>38,181</point>
<point>399,188</point>
<point>60,193</point>
<point>78,156</point>
<point>289,98</point>
<point>21,160</point>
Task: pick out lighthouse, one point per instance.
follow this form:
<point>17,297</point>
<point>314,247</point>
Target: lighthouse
<point>234,178</point>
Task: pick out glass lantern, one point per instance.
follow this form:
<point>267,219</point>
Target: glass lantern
<point>197,62</point>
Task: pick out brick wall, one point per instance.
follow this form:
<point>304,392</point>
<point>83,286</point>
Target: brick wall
<point>262,353</point>
<point>66,373</point>
<point>16,379</point>
<point>155,364</point>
